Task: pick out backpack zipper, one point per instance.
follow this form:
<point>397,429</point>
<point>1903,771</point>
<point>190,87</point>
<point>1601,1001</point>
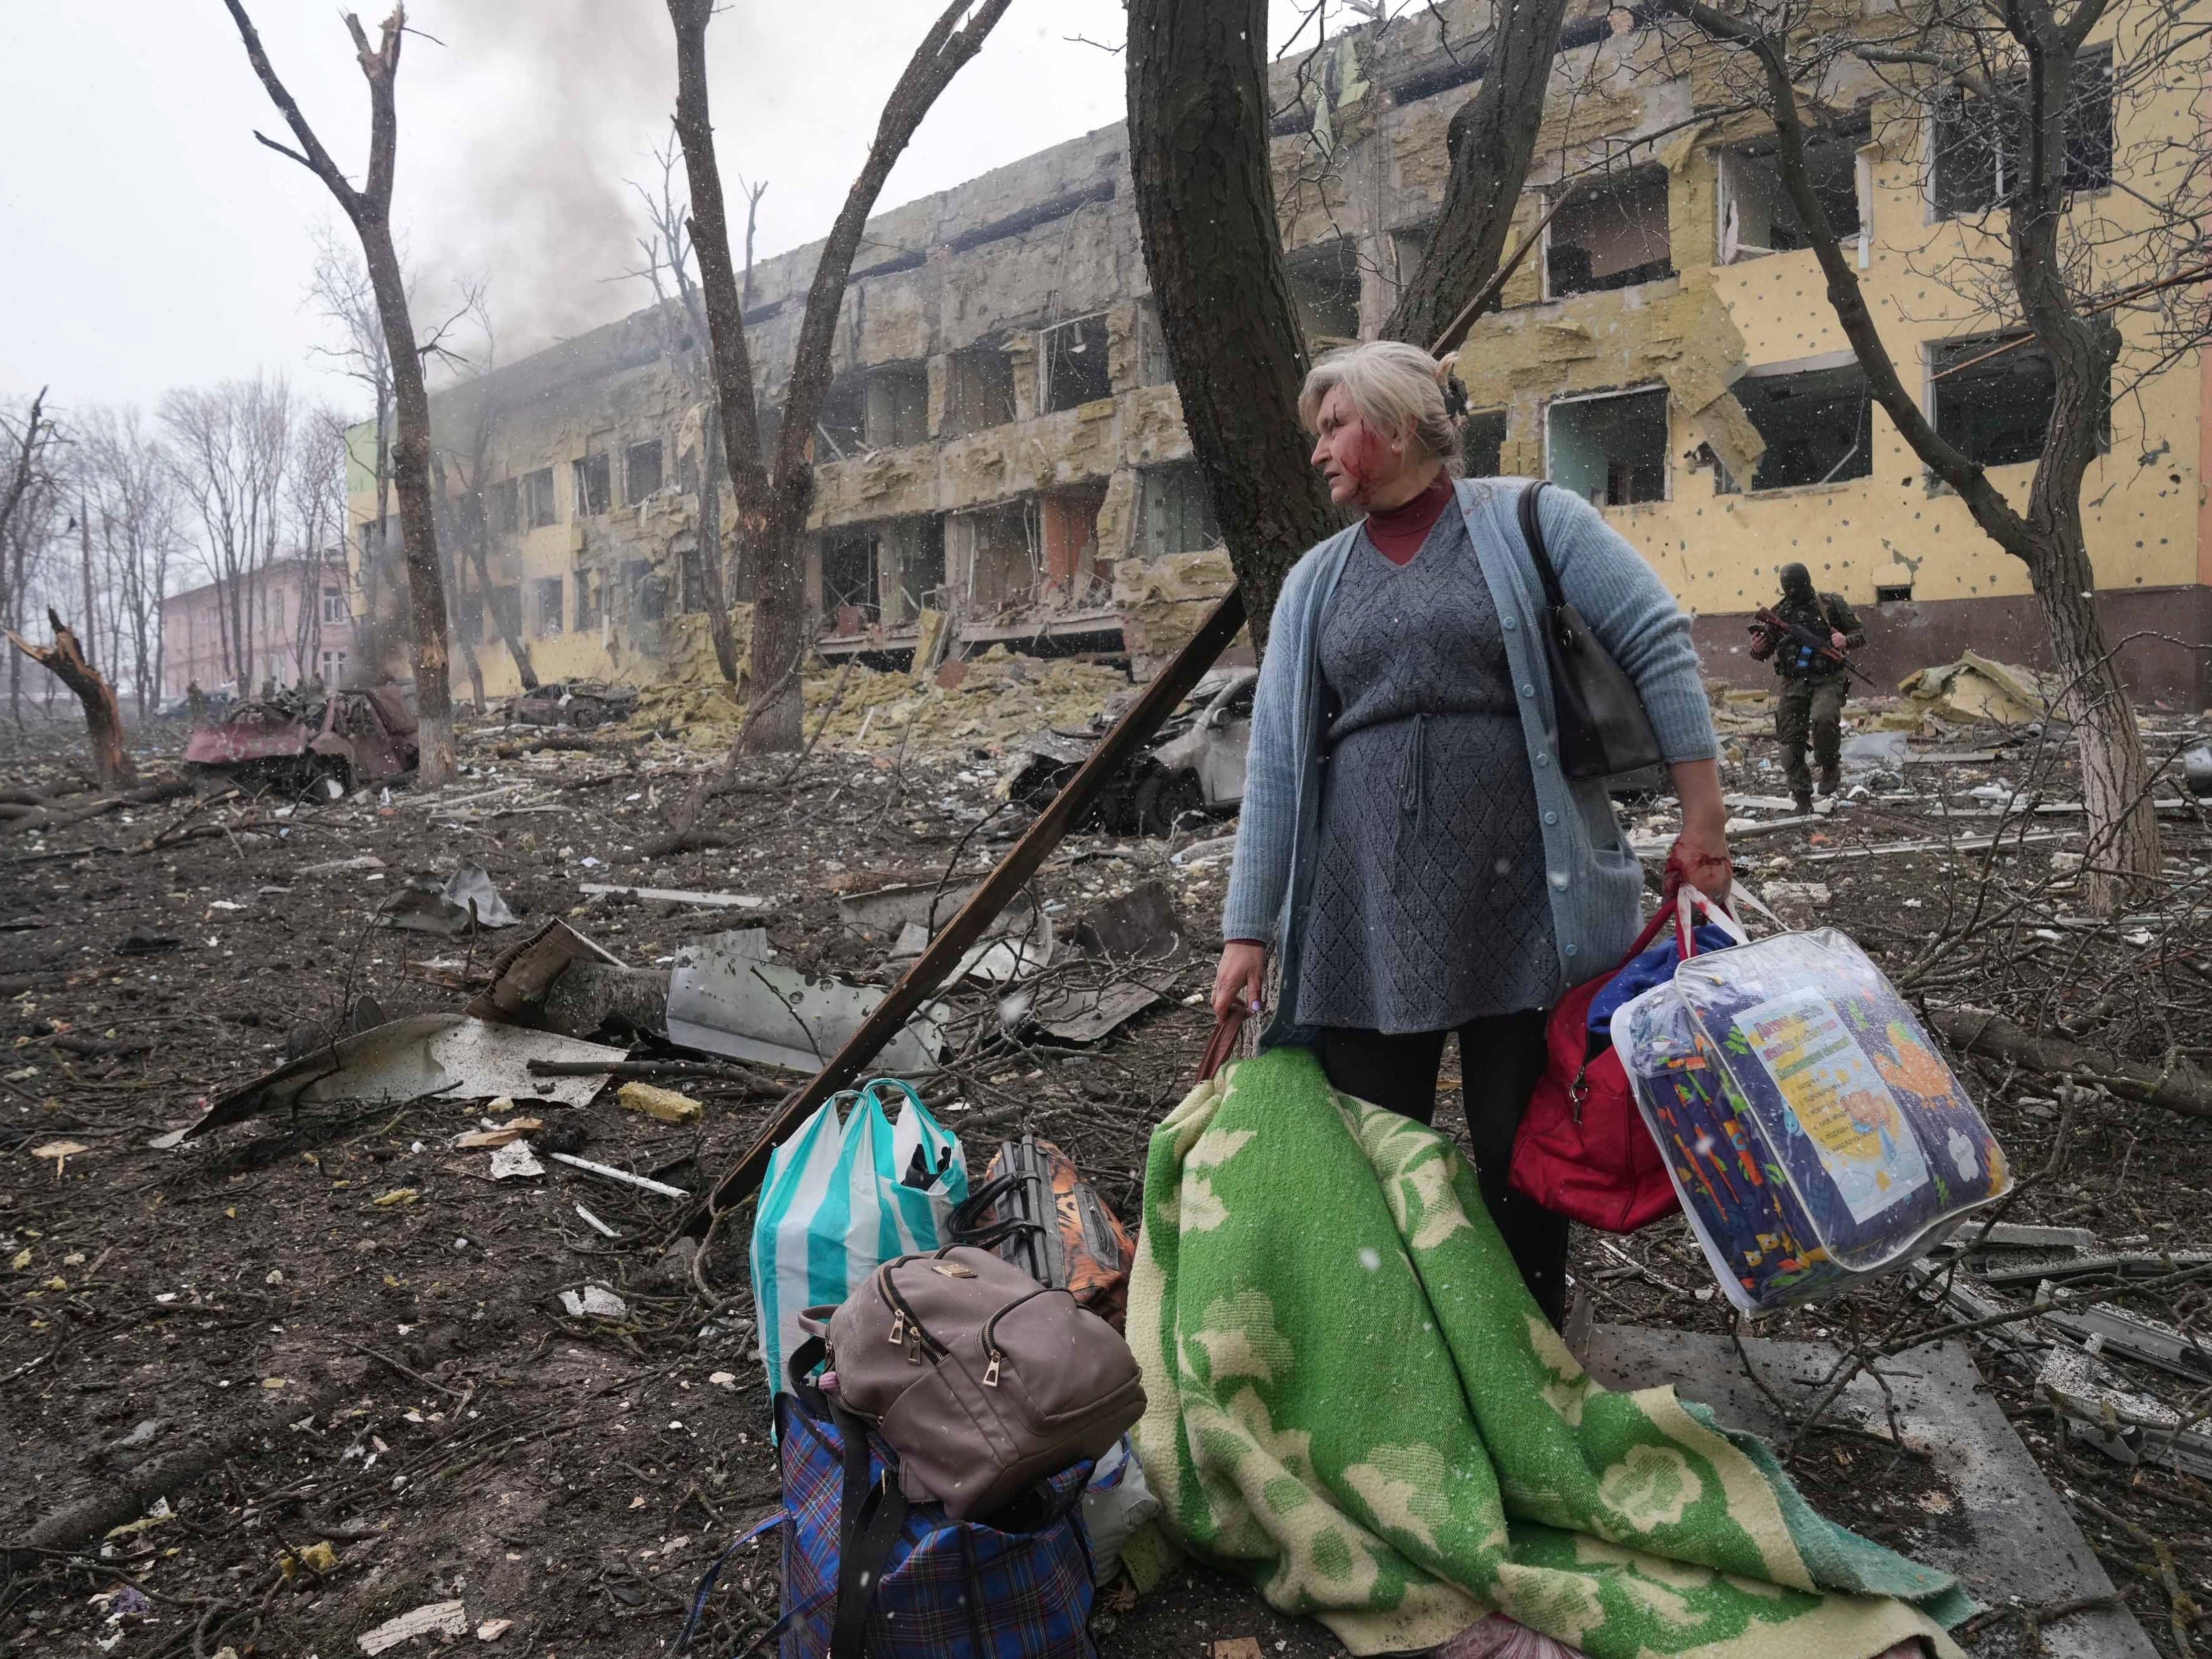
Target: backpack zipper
<point>991,1331</point>
<point>903,1318</point>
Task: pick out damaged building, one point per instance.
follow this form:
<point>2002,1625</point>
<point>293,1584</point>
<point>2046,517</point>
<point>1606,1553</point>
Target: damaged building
<point>1003,444</point>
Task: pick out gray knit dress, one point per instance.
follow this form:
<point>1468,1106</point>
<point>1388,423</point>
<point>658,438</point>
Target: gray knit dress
<point>1428,907</point>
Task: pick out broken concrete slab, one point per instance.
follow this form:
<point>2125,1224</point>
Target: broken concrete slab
<point>723,999</point>
<point>678,895</point>
<point>466,897</point>
<point>413,1059</point>
<point>446,1618</point>
<point>2010,1536</point>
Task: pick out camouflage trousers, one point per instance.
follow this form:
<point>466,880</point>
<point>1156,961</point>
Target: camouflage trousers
<point>1814,709</point>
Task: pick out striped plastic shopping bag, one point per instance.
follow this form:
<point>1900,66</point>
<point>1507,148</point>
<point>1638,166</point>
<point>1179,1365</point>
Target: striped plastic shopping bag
<point>842,1197</point>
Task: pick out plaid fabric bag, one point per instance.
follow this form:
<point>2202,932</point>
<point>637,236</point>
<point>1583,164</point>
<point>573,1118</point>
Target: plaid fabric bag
<point>941,1589</point>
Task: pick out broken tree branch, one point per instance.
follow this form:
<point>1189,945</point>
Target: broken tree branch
<point>1978,1031</point>
<point>65,661</point>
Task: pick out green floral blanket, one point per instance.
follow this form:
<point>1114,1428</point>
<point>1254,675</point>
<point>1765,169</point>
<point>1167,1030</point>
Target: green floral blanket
<point>1354,1401</point>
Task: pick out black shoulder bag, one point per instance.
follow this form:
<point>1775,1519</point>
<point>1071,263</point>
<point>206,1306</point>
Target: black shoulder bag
<point>1603,730</point>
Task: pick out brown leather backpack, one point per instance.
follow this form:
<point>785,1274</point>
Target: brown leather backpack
<point>981,1380</point>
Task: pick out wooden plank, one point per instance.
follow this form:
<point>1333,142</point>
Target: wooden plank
<point>1142,719</point>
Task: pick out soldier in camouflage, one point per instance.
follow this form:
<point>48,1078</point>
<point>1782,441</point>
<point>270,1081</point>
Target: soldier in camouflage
<point>1813,685</point>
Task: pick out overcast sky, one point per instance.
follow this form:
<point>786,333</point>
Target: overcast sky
<point>147,241</point>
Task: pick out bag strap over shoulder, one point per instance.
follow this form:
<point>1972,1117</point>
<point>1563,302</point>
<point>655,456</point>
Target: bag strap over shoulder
<point>1532,531</point>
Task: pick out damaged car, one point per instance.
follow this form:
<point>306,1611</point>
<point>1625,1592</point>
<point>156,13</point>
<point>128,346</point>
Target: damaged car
<point>291,742</point>
<point>580,703</point>
<point>1194,768</point>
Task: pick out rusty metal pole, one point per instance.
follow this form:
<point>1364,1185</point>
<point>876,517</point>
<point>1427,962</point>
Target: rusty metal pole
<point>1143,718</point>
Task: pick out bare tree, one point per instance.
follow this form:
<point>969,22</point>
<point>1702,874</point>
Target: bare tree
<point>315,511</point>
<point>103,719</point>
<point>680,314</point>
<point>340,285</point>
<point>231,446</point>
<point>772,501</point>
<point>369,207</point>
<point>27,502</point>
<point>135,493</point>
<point>2004,79</point>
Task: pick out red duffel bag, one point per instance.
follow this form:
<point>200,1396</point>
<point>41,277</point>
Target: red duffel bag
<point>1583,1150</point>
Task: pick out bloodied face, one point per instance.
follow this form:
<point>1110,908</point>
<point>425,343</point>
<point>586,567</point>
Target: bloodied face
<point>1359,463</point>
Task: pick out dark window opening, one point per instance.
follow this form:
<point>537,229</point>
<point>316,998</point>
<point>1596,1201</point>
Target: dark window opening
<point>1993,404</point>
<point>896,411</point>
<point>1325,290</point>
<point>1610,235</point>
<point>1900,594</point>
<point>507,609</point>
<point>979,389</point>
<point>594,482</point>
<point>1176,509</point>
<point>641,470</point>
<point>1818,426</point>
<point>1072,568</point>
<point>549,604</point>
<point>591,603</point>
<point>1757,216</point>
<point>538,487</point>
<point>1074,358</point>
<point>909,569</point>
<point>844,423</point>
<point>848,580</point>
<point>509,497</point>
<point>692,570</point>
<point>994,557</point>
<point>1154,366</point>
<point>1482,442</point>
<point>1980,144</point>
<point>1611,451</point>
<point>646,590</point>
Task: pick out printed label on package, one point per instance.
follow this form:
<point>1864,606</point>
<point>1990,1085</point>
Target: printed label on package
<point>1838,1100</point>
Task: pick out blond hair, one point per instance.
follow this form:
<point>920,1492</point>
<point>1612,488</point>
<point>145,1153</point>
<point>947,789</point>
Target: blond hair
<point>1399,389</point>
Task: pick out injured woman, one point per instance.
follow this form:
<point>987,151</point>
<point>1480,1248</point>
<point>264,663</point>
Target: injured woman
<point>1359,1395</point>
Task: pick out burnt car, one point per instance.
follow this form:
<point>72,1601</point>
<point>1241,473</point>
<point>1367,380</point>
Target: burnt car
<point>351,738</point>
<point>580,703</point>
<point>1193,769</point>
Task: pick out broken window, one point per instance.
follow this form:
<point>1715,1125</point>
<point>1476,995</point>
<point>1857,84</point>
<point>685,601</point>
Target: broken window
<point>1611,449</point>
<point>1609,234</point>
<point>993,557</point>
<point>1757,215</point>
<point>1154,366</point>
<point>1977,142</point>
<point>538,498</point>
<point>909,569</point>
<point>843,427</point>
<point>897,406</point>
<point>594,485</point>
<point>1482,441</point>
<point>641,470</point>
<point>1071,566</point>
<point>1072,357</point>
<point>549,604</point>
<point>1889,593</point>
<point>507,609</point>
<point>691,587</point>
<point>1817,427</point>
<point>509,495</point>
<point>1993,398</point>
<point>1176,510</point>
<point>590,600</point>
<point>848,580</point>
<point>1325,290</point>
<point>979,389</point>
<point>646,590</point>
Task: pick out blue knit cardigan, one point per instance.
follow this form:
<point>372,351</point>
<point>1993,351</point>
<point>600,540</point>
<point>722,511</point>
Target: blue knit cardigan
<point>1596,881</point>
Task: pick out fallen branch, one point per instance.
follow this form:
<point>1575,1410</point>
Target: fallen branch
<point>1977,1030</point>
<point>46,818</point>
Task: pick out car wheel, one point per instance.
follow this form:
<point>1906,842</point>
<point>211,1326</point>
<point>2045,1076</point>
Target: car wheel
<point>586,715</point>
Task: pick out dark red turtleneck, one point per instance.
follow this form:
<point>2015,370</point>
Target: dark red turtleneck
<point>1398,532</point>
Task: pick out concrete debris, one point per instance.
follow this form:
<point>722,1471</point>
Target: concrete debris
<point>339,866</point>
<point>446,1618</point>
<point>515,1160</point>
<point>664,1104</point>
<point>1976,689</point>
<point>1875,752</point>
<point>724,998</point>
<point>593,1300</point>
<point>467,898</point>
<point>413,1059</point>
<point>679,896</point>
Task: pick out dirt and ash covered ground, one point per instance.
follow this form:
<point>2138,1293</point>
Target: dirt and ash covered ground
<point>350,1339</point>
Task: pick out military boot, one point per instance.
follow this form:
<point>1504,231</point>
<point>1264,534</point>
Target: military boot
<point>1831,780</point>
<point>1801,801</point>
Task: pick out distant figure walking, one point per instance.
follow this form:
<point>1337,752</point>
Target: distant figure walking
<point>1806,636</point>
<point>196,702</point>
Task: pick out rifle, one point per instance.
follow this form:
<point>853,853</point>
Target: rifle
<point>1766,618</point>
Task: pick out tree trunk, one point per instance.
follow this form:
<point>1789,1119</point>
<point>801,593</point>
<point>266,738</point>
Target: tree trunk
<point>515,648</point>
<point>103,719</point>
<point>1206,198</point>
<point>710,543</point>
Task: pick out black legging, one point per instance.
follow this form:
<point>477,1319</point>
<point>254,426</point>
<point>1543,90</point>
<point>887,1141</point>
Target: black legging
<point>1501,1057</point>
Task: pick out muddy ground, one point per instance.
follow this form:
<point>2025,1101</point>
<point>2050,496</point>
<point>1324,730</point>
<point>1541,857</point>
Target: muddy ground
<point>352,1335</point>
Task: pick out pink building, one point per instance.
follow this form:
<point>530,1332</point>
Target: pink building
<point>298,623</point>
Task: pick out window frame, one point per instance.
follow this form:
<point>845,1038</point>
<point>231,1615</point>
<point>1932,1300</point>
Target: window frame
<point>1666,447</point>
